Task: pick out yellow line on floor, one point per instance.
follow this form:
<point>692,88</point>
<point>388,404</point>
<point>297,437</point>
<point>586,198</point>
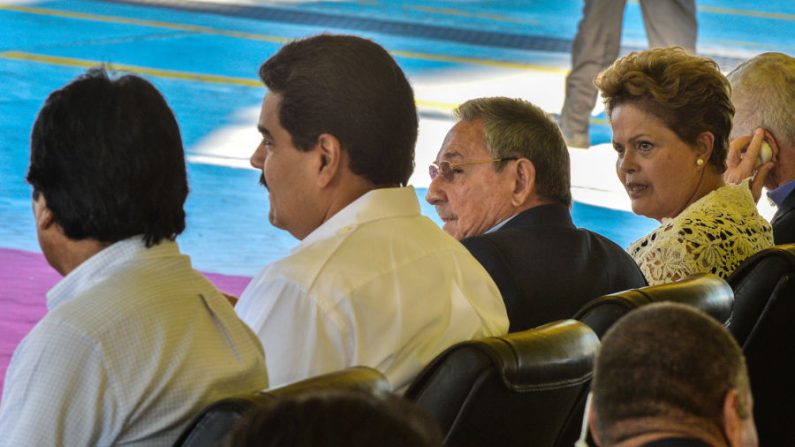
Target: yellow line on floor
<point>188,76</point>
<point>436,105</point>
<point>747,13</point>
<point>469,14</point>
<point>148,23</point>
<point>472,61</point>
<point>268,38</point>
<point>172,74</point>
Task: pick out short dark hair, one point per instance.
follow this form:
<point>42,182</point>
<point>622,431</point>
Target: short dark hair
<point>351,88</point>
<point>688,93</point>
<point>337,418</point>
<point>665,362</point>
<point>517,128</point>
<point>107,156</point>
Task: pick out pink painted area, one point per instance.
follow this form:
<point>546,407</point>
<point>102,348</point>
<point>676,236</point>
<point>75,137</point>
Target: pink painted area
<point>25,278</point>
<point>231,285</point>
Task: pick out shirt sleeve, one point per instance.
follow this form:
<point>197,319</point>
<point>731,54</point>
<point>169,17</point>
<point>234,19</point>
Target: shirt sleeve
<point>301,339</point>
<point>57,391</point>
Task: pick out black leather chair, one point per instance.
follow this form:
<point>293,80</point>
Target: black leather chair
<point>759,279</point>
<point>216,421</point>
<point>763,323</point>
<point>516,390</point>
<point>707,292</point>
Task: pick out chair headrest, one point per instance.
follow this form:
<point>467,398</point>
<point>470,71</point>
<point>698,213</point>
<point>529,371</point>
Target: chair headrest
<point>357,378</point>
<point>782,253</point>
<point>709,293</point>
<point>555,355</point>
<point>212,425</point>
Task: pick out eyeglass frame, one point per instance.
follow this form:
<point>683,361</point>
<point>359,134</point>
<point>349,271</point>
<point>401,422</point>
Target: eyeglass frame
<point>435,169</point>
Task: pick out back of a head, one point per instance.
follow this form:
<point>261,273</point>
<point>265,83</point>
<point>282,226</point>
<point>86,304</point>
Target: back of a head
<point>688,93</point>
<point>665,366</point>
<point>351,88</point>
<point>337,418</point>
<point>517,128</point>
<point>763,92</point>
<point>107,156</point>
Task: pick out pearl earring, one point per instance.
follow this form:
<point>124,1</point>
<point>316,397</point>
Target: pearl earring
<point>700,162</point>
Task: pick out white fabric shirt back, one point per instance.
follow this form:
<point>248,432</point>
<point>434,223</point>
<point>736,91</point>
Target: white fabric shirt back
<point>134,345</point>
<point>378,285</point>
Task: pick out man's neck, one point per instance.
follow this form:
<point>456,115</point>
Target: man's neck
<point>70,254</point>
<point>347,192</point>
<point>531,203</point>
<point>784,172</point>
<point>534,202</point>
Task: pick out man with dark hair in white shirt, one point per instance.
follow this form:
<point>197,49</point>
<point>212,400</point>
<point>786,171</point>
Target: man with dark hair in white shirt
<point>372,282</point>
<point>135,342</point>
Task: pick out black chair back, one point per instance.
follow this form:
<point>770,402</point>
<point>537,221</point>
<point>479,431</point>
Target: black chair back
<point>516,390</point>
<point>710,294</point>
<point>757,280</point>
<point>763,323</point>
<point>211,427</point>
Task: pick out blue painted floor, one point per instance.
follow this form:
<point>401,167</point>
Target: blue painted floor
<point>43,45</point>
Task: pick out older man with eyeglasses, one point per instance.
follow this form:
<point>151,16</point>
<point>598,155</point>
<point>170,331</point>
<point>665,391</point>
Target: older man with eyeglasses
<point>501,185</point>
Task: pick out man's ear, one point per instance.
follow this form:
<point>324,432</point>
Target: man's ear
<point>592,423</point>
<point>330,160</point>
<point>525,181</point>
<point>736,426</point>
<point>771,140</point>
<point>42,214</point>
<point>705,143</point>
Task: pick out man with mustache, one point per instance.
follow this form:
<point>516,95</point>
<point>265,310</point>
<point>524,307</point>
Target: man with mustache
<point>372,282</point>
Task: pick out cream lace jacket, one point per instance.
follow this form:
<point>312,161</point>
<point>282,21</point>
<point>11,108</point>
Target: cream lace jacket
<point>713,235</point>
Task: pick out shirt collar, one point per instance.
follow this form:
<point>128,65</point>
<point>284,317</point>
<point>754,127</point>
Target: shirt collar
<point>499,225</point>
<point>373,205</point>
<point>99,267</point>
<point>779,194</point>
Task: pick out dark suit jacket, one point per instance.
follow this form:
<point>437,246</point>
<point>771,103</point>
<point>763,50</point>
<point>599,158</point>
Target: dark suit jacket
<point>784,221</point>
<point>546,268</point>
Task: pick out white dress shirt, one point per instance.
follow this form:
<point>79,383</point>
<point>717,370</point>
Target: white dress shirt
<point>134,345</point>
<point>376,285</point>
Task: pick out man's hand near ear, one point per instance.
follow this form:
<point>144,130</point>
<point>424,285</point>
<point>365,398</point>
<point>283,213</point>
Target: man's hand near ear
<point>742,162</point>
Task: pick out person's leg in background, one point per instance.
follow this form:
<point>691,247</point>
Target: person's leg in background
<point>595,47</point>
<point>670,23</point>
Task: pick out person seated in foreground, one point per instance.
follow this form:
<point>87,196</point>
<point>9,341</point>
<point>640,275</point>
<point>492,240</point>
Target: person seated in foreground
<point>373,282</point>
<point>135,342</point>
<point>501,184</point>
<point>669,375</point>
<point>763,93</point>
<point>671,116</point>
<point>337,418</point>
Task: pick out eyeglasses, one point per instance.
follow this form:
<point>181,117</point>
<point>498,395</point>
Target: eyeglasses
<point>446,168</point>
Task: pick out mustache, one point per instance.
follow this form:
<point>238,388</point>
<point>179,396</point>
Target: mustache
<point>262,181</point>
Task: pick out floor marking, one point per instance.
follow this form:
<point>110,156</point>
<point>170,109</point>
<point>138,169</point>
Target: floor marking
<point>269,38</point>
